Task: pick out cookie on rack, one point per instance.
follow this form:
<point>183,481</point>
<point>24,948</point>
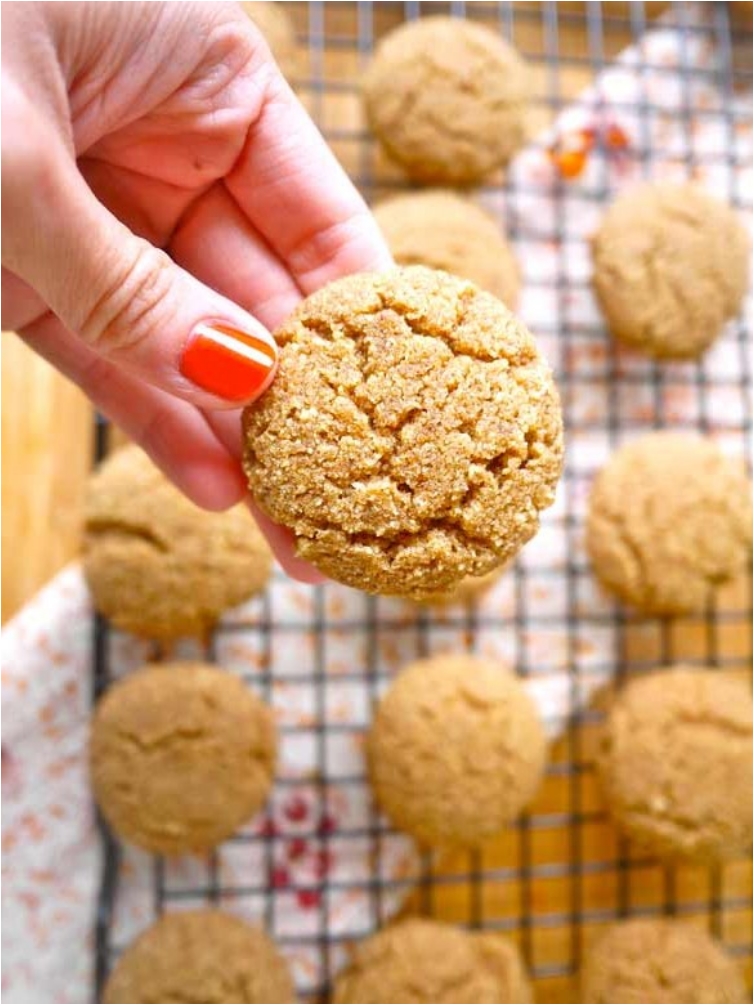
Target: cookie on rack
<point>156,564</point>
<point>412,436</point>
<point>200,956</point>
<point>443,230</point>
<point>674,764</point>
<point>275,24</point>
<point>181,755</point>
<point>671,266</point>
<point>456,750</point>
<point>448,99</point>
<point>418,960</point>
<point>669,520</point>
<point>659,960</point>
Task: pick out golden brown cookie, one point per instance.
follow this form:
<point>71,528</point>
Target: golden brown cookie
<point>447,98</point>
<point>468,590</point>
<point>156,564</point>
<point>447,231</point>
<point>671,265</point>
<point>456,750</point>
<point>418,960</point>
<point>275,24</point>
<point>669,519</point>
<point>675,764</point>
<point>659,960</point>
<point>200,956</point>
<point>413,433</point>
<point>181,755</point>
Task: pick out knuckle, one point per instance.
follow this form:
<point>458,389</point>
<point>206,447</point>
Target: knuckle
<point>131,302</point>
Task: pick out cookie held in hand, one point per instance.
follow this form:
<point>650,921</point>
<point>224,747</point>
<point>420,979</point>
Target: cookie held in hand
<point>412,436</point>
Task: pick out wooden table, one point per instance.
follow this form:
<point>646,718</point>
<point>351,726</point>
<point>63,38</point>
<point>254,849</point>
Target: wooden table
<point>47,446</point>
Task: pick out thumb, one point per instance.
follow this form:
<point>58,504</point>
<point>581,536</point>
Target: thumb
<point>122,296</point>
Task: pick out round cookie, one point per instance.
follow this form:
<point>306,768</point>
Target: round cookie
<point>669,519</point>
<point>156,564</point>
<point>273,21</point>
<point>674,763</point>
<point>447,231</point>
<point>412,435</point>
<point>659,960</point>
<point>200,956</point>
<point>181,756</point>
<point>447,98</point>
<point>418,960</point>
<point>671,265</point>
<point>468,590</point>
<point>456,750</point>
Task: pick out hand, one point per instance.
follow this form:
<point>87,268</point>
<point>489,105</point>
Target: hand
<point>166,200</point>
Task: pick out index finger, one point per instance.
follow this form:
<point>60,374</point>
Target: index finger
<point>293,190</point>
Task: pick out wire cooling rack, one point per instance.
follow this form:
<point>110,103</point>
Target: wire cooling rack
<point>562,872</point>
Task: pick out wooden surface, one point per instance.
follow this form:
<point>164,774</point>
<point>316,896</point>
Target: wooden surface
<point>46,444</point>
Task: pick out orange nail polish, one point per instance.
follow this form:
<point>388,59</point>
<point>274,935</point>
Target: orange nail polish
<point>227,362</point>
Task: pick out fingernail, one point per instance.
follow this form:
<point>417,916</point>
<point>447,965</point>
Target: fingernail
<point>230,363</point>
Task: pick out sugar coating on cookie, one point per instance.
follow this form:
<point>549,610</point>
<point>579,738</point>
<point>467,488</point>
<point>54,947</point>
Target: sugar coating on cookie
<point>447,98</point>
<point>181,755</point>
<point>418,960</point>
<point>200,956</point>
<point>669,519</point>
<point>446,231</point>
<point>456,750</point>
<point>659,960</point>
<point>275,24</point>
<point>675,764</point>
<point>671,265</point>
<point>413,433</point>
<point>156,564</point>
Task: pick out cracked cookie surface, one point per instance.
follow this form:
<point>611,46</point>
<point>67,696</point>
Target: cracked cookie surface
<point>675,763</point>
<point>669,519</point>
<point>200,956</point>
<point>156,564</point>
<point>446,231</point>
<point>447,98</point>
<point>418,960</point>
<point>659,960</point>
<point>181,755</point>
<point>412,435</point>
<point>671,265</point>
<point>456,750</point>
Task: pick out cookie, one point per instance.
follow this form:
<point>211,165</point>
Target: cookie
<point>659,960</point>
<point>671,266</point>
<point>674,763</point>
<point>669,519</point>
<point>468,590</point>
<point>156,564</point>
<point>456,750</point>
<point>418,960</point>
<point>447,99</point>
<point>447,231</point>
<point>275,24</point>
<point>181,755</point>
<point>412,435</point>
<point>200,956</point>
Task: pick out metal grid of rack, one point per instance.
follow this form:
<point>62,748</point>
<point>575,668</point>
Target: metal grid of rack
<point>561,872</point>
